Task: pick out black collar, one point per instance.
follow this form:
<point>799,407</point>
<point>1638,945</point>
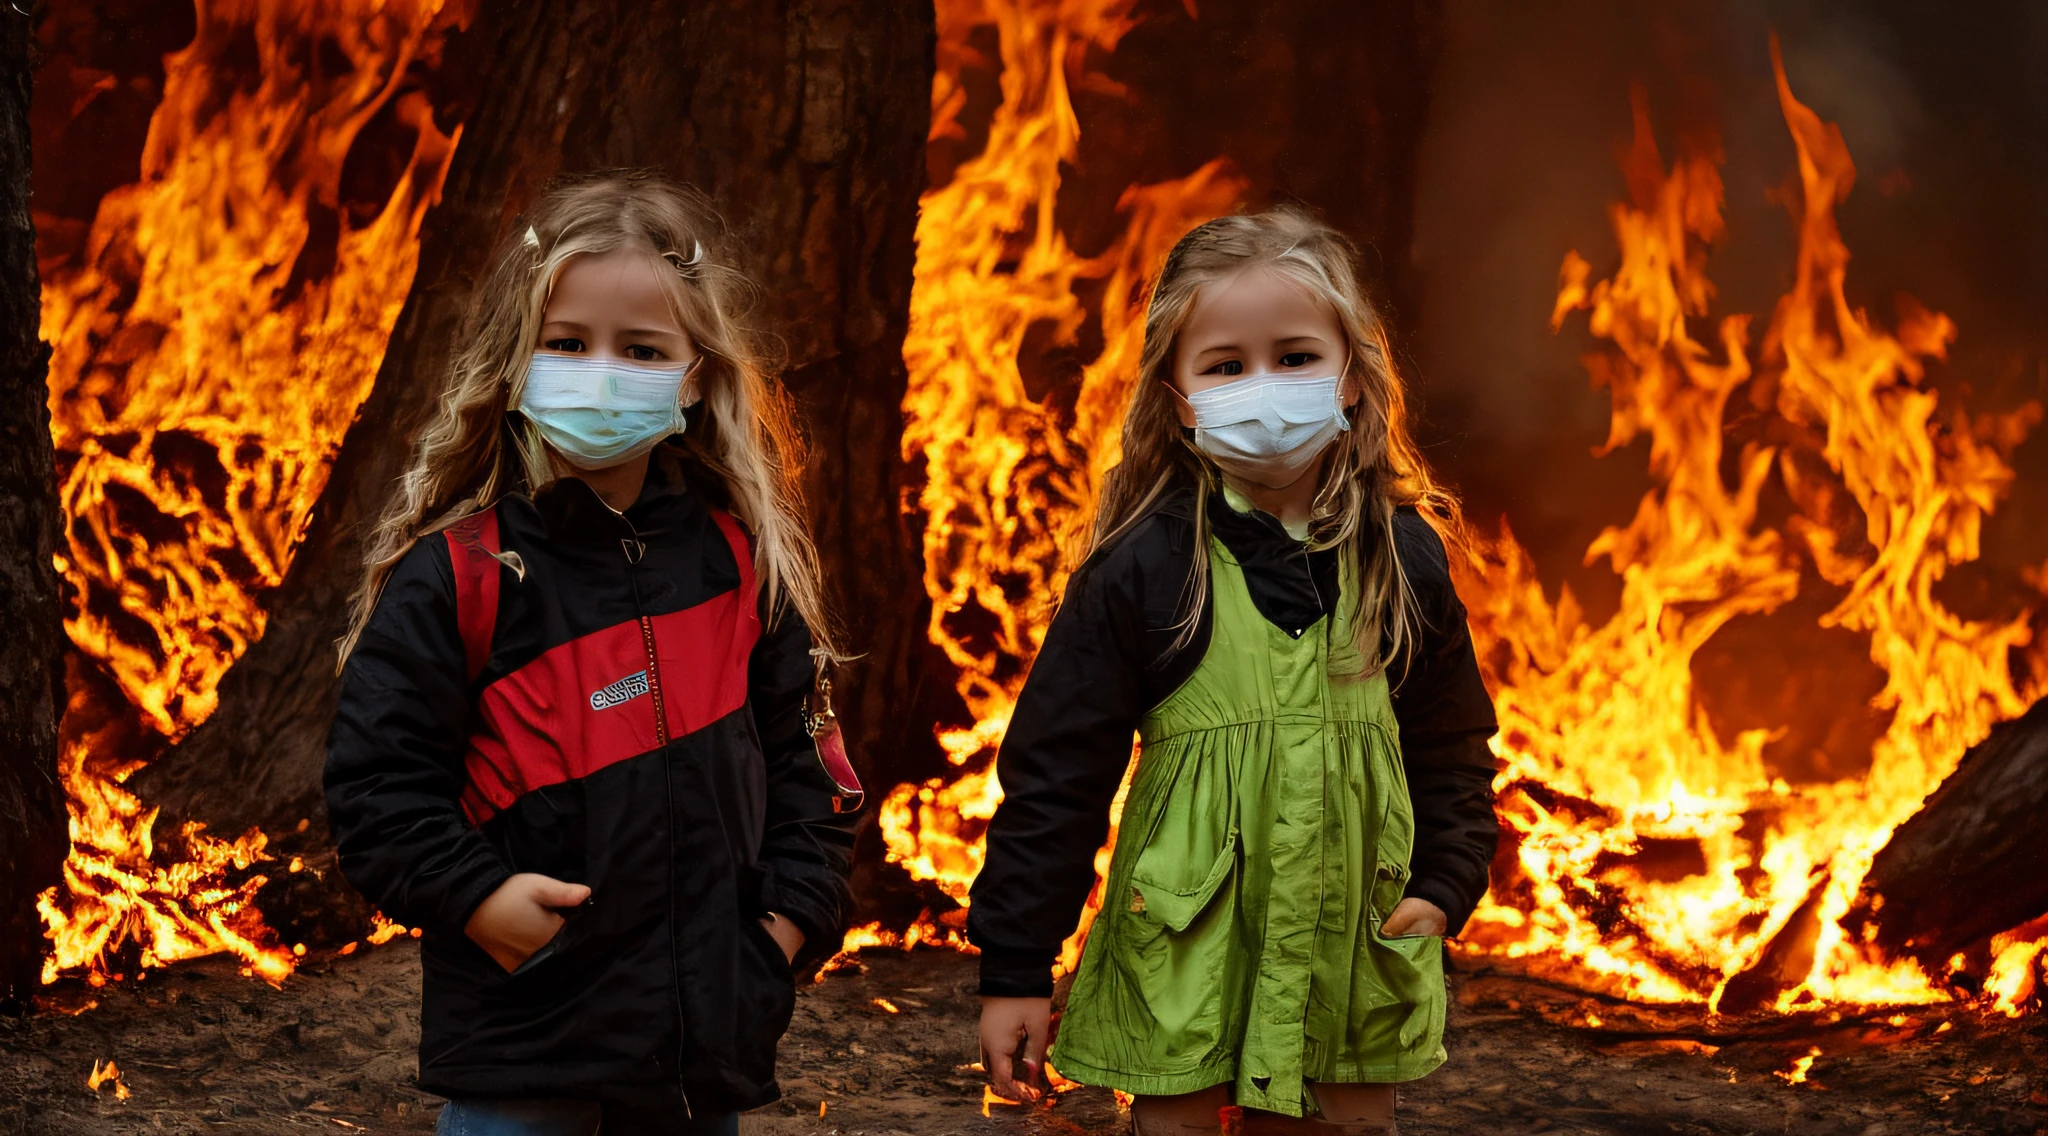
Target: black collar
<point>576,516</point>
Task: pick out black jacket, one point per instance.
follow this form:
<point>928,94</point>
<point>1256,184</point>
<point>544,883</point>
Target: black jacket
<point>1109,657</point>
<point>663,990</point>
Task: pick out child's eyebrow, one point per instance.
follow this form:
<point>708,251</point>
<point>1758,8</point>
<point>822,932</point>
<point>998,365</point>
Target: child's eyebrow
<point>652,331</point>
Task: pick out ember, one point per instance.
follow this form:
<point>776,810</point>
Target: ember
<point>107,1074</point>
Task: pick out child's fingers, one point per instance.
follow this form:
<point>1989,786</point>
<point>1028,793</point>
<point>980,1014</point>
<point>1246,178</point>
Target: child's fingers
<point>1034,1055</point>
<point>555,893</point>
<point>999,1079</point>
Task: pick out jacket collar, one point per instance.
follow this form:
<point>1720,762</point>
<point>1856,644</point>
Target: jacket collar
<point>575,515</point>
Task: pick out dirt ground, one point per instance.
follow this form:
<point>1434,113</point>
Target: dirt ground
<point>202,1049</point>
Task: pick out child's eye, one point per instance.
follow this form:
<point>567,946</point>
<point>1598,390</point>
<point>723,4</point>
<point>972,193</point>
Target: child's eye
<point>642,354</point>
<point>1227,367</point>
<point>1297,358</point>
<point>571,345</point>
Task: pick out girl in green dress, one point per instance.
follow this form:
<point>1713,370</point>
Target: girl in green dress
<point>1267,609</point>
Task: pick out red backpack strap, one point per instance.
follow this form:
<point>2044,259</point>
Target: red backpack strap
<point>473,554</point>
<point>742,549</point>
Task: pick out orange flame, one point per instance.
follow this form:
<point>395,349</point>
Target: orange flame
<point>1604,743</point>
<point>1796,1075</point>
<point>107,1074</point>
<point>1011,480</point>
<point>211,343</point>
<point>2018,960</point>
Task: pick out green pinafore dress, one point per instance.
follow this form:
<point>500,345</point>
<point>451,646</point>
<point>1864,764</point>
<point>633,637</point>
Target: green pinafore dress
<point>1266,835</point>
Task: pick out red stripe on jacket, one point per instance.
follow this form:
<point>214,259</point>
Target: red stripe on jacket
<point>589,703</point>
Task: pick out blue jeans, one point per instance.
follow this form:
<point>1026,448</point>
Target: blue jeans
<point>557,1116</point>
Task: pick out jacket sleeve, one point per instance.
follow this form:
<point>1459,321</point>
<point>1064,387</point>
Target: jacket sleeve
<point>1446,720</point>
<point>806,848</point>
<point>394,756</point>
<point>1068,744</point>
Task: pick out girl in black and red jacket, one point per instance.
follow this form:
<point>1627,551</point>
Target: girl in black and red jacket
<point>576,739</point>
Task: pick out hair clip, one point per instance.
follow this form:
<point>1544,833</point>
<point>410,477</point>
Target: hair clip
<point>532,237</point>
<point>686,267</point>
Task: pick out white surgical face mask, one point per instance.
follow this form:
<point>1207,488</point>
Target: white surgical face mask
<point>1267,430</point>
<point>600,413</point>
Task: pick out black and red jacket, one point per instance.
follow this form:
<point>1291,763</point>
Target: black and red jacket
<point>631,720</point>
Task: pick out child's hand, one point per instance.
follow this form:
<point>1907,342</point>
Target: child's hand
<point>785,935</point>
<point>1414,916</point>
<point>520,917</point>
<point>1013,1038</point>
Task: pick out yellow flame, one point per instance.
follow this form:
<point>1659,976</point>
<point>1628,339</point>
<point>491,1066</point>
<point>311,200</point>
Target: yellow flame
<point>209,349</point>
<point>105,1074</point>
<point>1796,1075</point>
<point>1605,744</point>
<point>2018,959</point>
<point>1011,480</point>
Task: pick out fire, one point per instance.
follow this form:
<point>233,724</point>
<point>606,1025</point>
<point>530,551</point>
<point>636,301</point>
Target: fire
<point>2019,965</point>
<point>118,889</point>
<point>1796,1075</point>
<point>1604,743</point>
<point>107,1074</point>
<point>1011,480</point>
<point>212,337</point>
<point>383,930</point>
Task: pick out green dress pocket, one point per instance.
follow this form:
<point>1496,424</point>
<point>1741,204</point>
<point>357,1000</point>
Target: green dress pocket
<point>1406,1005</point>
<point>1177,944</point>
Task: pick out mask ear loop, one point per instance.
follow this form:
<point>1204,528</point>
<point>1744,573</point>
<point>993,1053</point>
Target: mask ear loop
<point>1344,380</point>
<point>690,384</point>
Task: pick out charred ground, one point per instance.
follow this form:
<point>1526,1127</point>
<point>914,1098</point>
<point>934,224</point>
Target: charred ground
<point>202,1049</point>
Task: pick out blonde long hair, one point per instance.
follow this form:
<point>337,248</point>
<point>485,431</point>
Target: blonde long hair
<point>743,445</point>
<point>1374,468</point>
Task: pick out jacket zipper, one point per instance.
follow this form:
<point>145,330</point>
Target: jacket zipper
<point>653,676</point>
<point>634,550</point>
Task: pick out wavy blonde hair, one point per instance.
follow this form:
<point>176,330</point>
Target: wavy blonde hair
<point>1372,469</point>
<point>743,445</point>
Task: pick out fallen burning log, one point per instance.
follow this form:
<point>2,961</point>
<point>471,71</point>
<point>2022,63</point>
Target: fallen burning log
<point>1974,860</point>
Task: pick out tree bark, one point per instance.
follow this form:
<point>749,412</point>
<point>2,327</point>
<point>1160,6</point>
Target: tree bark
<point>805,121</point>
<point>32,822</point>
<point>1974,860</point>
<point>1315,102</point>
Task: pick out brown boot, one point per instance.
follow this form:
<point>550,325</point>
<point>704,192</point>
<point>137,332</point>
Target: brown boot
<point>1188,1114</point>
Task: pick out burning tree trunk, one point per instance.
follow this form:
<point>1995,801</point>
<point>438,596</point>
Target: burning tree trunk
<point>1973,862</point>
<point>32,839</point>
<point>805,119</point>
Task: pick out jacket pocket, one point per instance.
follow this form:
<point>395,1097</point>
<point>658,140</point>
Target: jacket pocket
<point>770,950</point>
<point>553,948</point>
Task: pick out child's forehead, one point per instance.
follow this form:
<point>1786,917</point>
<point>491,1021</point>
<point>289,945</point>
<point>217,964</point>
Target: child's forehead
<point>623,283</point>
<point>1255,297</point>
